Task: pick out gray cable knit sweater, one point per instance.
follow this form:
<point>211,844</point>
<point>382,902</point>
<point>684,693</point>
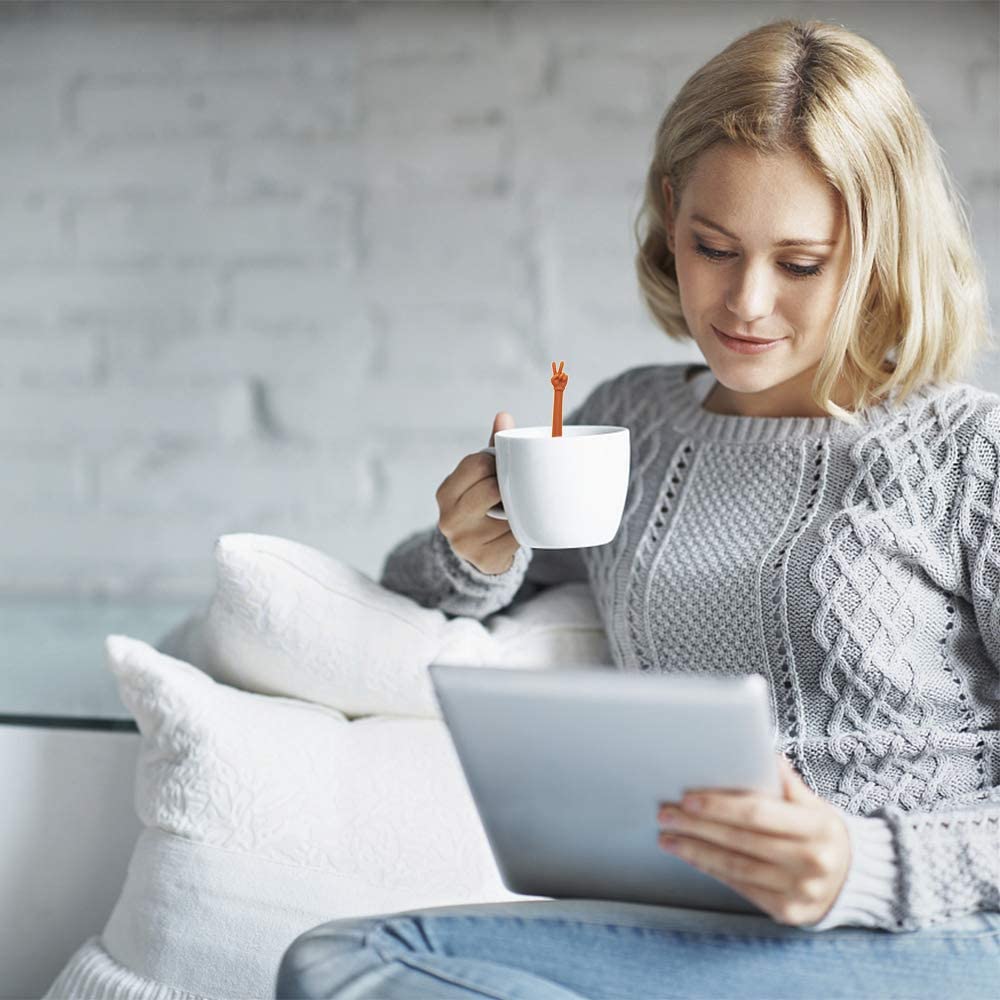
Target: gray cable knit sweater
<point>857,569</point>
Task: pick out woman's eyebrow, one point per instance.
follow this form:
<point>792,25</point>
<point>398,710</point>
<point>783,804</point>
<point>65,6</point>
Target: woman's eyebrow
<point>780,243</point>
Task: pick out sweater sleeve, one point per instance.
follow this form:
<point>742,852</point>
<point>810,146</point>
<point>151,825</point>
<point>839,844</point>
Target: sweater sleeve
<point>425,567</point>
<point>911,869</point>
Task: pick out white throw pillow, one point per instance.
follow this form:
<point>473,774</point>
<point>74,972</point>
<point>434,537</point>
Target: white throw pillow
<point>287,619</point>
<point>266,816</point>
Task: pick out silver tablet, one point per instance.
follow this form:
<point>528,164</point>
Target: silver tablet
<point>567,767</point>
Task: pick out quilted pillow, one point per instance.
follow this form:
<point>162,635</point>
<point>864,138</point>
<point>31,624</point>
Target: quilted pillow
<point>265,816</point>
<point>287,619</point>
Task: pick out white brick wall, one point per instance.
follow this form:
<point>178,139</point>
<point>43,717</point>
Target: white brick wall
<point>274,267</point>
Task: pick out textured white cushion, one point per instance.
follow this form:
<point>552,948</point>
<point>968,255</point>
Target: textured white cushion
<point>267,816</point>
<point>287,619</point>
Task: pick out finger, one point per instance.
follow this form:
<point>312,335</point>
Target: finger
<point>771,901</point>
<point>476,499</point>
<point>501,422</point>
<point>500,538</point>
<point>490,530</point>
<point>553,368</point>
<point>752,811</point>
<point>730,865</point>
<point>780,850</point>
<point>561,363</point>
<point>795,789</point>
<point>470,471</point>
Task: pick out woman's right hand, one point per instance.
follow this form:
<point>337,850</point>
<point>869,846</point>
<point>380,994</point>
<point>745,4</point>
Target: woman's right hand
<point>463,500</point>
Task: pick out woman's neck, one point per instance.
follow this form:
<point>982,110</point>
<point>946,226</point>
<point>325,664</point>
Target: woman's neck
<point>790,399</point>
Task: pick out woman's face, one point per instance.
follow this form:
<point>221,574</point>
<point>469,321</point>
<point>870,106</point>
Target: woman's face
<point>743,282</point>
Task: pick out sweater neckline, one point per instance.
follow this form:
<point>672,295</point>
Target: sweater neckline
<point>690,416</point>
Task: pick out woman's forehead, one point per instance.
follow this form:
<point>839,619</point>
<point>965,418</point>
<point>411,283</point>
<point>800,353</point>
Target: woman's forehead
<point>782,195</point>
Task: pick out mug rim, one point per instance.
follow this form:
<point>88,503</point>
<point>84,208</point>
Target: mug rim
<point>586,431</point>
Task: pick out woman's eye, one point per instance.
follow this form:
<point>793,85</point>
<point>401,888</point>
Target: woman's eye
<point>795,270</point>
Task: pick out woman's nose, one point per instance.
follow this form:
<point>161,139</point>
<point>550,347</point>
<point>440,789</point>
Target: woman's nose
<point>751,294</point>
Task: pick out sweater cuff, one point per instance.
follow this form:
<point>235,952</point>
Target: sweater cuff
<point>467,579</point>
<point>869,892</point>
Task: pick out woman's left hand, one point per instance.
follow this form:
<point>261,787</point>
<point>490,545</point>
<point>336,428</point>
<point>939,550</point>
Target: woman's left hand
<point>789,856</point>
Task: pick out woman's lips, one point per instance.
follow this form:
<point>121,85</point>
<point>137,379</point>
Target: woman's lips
<point>745,346</point>
<point>752,340</point>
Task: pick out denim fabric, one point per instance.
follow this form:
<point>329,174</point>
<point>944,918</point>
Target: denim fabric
<point>570,949</point>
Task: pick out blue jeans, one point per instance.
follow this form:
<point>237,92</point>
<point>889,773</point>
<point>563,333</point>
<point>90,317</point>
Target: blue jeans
<point>568,949</point>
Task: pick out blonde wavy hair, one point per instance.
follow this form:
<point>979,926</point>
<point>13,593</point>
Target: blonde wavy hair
<point>914,306</point>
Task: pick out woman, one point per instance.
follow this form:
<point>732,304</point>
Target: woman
<point>822,508</point>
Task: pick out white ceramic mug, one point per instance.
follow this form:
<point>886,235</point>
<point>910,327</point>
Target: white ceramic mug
<point>562,492</point>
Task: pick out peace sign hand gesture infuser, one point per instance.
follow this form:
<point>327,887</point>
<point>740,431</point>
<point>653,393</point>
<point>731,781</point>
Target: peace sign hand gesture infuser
<point>558,381</point>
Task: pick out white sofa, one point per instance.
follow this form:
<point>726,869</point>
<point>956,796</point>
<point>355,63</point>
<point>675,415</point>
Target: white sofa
<point>67,831</point>
<point>294,768</point>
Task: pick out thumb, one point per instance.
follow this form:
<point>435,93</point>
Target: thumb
<point>793,788</point>
<point>503,421</point>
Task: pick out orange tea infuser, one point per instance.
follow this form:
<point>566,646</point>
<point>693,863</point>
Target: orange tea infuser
<point>558,381</point>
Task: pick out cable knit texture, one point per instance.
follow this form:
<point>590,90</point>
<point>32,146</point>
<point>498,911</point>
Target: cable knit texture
<point>856,568</point>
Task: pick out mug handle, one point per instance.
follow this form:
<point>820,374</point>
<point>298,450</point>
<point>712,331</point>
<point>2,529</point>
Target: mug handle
<point>498,512</point>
